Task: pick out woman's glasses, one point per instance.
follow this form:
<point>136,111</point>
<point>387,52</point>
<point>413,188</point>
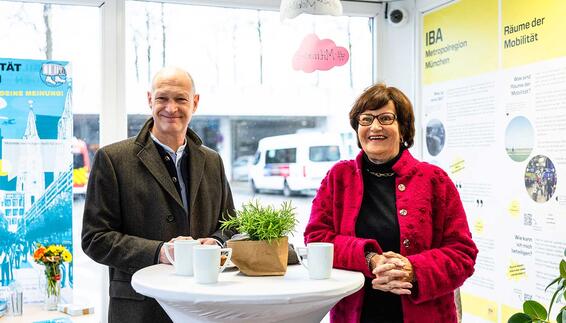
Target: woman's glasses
<point>385,118</point>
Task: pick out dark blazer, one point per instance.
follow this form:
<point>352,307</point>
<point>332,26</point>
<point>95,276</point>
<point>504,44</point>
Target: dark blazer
<point>132,207</point>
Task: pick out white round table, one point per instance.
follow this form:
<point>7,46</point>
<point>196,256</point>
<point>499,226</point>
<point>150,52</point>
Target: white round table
<point>239,298</point>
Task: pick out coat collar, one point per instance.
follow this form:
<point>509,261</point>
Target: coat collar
<point>402,167</point>
<point>149,156</point>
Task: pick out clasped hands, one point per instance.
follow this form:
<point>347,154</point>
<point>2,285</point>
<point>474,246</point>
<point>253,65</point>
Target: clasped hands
<point>393,273</point>
<point>163,259</point>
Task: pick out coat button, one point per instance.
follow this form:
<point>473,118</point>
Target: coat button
<point>167,158</point>
<point>170,218</point>
<point>403,212</point>
<point>174,179</point>
<point>401,187</point>
<point>406,243</point>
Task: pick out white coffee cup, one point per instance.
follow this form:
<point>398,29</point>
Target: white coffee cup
<point>320,256</point>
<point>183,256</point>
<point>206,262</point>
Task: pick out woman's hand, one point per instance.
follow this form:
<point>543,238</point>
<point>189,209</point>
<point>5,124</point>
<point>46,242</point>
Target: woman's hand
<point>403,263</point>
<point>393,273</point>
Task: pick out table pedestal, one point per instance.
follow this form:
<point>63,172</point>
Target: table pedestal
<point>222,312</point>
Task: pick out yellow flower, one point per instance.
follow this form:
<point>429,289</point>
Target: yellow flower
<point>67,257</point>
<point>52,254</point>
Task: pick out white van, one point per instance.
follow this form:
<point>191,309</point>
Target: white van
<point>294,163</point>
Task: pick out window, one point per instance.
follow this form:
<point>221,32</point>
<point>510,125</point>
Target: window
<point>241,61</point>
<point>47,31</point>
<point>281,156</point>
<point>257,157</point>
<point>324,153</point>
<point>78,160</point>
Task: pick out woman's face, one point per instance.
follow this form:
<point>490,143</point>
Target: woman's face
<point>380,142</point>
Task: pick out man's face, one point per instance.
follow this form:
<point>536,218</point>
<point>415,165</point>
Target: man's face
<point>172,104</point>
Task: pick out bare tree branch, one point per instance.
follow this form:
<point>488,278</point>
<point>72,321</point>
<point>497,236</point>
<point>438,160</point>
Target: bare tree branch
<point>48,32</point>
<point>136,55</point>
<point>260,47</point>
<point>234,55</point>
<point>163,35</point>
<point>21,16</point>
<point>148,40</point>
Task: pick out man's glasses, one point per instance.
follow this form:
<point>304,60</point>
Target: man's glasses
<point>385,119</point>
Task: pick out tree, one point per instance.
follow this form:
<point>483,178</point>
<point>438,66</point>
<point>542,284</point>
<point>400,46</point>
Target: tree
<point>163,35</point>
<point>258,28</point>
<point>22,15</point>
<point>148,41</point>
<point>135,40</point>
<point>234,51</point>
<point>48,33</point>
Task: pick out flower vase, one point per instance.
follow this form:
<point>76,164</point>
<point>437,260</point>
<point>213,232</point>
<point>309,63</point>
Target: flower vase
<point>52,296</point>
<point>52,287</point>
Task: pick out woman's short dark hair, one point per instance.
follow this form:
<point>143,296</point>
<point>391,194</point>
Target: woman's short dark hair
<point>376,97</point>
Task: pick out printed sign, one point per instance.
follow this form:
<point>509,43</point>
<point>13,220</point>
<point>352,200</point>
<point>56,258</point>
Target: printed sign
<point>315,54</point>
<point>36,196</point>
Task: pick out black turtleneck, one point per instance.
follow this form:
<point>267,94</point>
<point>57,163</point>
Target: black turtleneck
<point>378,220</point>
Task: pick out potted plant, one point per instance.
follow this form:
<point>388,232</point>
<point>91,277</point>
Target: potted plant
<point>265,250</point>
<point>533,311</point>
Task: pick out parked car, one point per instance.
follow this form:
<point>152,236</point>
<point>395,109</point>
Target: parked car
<point>241,168</point>
<point>295,163</point>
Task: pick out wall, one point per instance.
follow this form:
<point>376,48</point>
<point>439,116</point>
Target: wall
<point>396,55</point>
<point>492,112</point>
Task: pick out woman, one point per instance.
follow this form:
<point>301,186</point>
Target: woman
<point>397,220</point>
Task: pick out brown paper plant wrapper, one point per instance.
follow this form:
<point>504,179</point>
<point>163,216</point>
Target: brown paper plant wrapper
<point>222,260</point>
<point>260,258</point>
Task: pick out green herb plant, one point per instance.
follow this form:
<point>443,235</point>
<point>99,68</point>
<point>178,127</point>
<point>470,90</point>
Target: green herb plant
<point>262,222</point>
<point>533,311</point>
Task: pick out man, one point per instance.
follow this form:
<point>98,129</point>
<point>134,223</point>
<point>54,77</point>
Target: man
<point>160,186</point>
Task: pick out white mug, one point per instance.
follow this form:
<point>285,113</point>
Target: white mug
<point>183,255</point>
<point>320,256</point>
<point>206,262</point>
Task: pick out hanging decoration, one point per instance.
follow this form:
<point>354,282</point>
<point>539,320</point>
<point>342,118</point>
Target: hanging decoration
<point>290,9</point>
<point>316,54</point>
